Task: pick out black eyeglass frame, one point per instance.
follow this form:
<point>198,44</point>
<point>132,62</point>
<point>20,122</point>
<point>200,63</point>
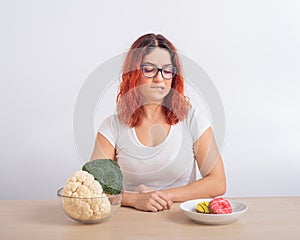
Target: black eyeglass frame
<point>174,70</point>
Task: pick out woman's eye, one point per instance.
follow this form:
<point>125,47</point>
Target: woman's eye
<point>149,69</point>
<point>168,71</point>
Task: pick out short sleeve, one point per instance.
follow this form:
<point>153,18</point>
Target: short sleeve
<point>197,122</point>
<point>110,129</point>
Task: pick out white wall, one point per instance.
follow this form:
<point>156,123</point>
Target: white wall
<point>250,49</point>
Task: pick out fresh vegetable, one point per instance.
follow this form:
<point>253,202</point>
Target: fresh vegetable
<point>108,173</point>
<point>84,198</point>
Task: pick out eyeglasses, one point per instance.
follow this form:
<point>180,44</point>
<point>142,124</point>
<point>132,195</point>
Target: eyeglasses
<point>150,71</point>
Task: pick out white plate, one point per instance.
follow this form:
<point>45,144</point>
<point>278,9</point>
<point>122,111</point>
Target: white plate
<point>189,208</point>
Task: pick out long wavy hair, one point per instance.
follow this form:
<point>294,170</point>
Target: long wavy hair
<point>175,105</point>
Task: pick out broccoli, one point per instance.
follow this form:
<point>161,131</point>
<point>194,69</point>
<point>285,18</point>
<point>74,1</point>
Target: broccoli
<point>107,172</point>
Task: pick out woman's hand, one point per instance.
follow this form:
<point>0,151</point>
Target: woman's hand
<point>151,201</point>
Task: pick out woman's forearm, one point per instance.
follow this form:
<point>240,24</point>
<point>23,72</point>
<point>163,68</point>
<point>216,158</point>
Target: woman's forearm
<point>128,198</point>
<point>148,201</point>
<point>207,187</point>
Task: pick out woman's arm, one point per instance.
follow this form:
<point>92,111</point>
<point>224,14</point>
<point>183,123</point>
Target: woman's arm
<point>103,148</point>
<point>146,201</point>
<point>213,182</point>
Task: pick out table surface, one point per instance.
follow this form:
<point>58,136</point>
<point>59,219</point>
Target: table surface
<point>266,218</point>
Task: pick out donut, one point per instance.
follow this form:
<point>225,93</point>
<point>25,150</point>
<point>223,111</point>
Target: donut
<point>219,205</point>
<point>202,207</point>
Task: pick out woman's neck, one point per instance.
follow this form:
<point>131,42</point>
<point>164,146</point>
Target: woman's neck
<point>153,111</point>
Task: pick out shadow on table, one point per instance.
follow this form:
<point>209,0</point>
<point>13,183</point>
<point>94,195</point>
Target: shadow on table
<point>179,218</point>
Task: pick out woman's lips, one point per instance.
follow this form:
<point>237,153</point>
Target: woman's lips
<point>158,87</point>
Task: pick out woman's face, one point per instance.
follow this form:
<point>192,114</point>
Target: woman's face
<point>154,89</point>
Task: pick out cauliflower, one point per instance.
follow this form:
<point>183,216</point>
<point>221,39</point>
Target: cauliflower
<point>84,198</point>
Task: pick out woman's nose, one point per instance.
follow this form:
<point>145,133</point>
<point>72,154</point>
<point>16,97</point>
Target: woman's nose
<point>158,77</point>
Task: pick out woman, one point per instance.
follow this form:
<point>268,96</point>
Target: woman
<point>156,137</point>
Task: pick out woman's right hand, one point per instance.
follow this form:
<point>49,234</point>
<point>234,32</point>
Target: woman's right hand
<point>152,201</point>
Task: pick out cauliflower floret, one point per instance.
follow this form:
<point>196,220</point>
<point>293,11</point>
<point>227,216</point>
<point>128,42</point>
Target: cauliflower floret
<point>90,202</point>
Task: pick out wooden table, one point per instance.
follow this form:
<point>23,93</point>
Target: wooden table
<point>266,218</point>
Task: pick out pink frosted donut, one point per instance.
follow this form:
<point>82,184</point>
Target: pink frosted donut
<point>219,205</point>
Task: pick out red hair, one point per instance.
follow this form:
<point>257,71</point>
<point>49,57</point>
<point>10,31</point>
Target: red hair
<point>129,101</point>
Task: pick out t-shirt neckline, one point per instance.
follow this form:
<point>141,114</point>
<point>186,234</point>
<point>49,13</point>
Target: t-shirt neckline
<point>156,146</point>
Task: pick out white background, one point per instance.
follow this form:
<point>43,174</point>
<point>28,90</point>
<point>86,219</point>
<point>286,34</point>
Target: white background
<point>250,49</point>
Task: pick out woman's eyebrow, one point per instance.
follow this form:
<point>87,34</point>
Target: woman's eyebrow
<point>169,64</point>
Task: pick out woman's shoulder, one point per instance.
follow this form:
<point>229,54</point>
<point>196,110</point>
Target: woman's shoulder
<point>113,120</point>
<point>196,122</point>
<point>195,114</point>
<point>112,117</point>
<point>112,128</point>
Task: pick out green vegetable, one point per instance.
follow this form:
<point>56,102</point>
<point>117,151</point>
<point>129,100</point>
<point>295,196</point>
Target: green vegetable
<point>107,172</point>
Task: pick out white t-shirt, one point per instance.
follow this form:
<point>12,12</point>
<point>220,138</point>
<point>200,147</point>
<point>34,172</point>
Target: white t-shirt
<point>169,164</point>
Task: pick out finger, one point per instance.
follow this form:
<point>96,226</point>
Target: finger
<point>168,203</point>
<point>168,206</point>
<point>159,204</point>
<point>151,208</point>
<point>157,201</point>
<point>154,206</point>
<point>161,201</point>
